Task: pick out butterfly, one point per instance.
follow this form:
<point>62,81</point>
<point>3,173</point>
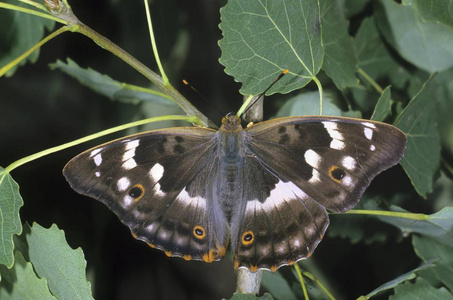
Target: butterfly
<point>265,189</point>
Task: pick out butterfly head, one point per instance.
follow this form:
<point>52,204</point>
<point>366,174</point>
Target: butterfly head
<point>231,122</point>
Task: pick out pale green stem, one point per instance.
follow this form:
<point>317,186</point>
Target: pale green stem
<point>370,80</point>
<point>301,279</point>
<point>319,283</point>
<point>412,216</point>
<point>165,80</point>
<point>35,4</point>
<point>16,61</point>
<point>133,87</point>
<point>318,83</point>
<point>190,119</point>
<point>244,105</point>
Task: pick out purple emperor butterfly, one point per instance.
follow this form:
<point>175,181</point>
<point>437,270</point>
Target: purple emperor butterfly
<point>188,191</point>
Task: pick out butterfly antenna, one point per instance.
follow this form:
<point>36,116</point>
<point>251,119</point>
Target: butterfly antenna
<point>201,96</point>
<point>265,91</point>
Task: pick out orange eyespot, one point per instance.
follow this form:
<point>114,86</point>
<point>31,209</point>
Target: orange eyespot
<point>137,192</point>
<point>336,173</point>
<point>248,237</point>
<point>199,232</point>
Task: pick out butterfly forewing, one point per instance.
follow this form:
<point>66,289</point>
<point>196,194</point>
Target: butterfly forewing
<point>144,180</point>
<point>333,160</point>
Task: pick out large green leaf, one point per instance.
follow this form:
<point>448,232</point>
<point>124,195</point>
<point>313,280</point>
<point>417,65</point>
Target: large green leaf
<point>399,280</point>
<point>21,282</point>
<point>428,46</point>
<point>263,38</point>
<point>438,225</point>
<point>374,57</point>
<point>10,224</point>
<point>433,10</point>
<point>420,290</point>
<point>20,32</point>
<point>422,156</point>
<point>108,87</point>
<point>53,259</point>
<point>340,62</point>
<point>430,249</point>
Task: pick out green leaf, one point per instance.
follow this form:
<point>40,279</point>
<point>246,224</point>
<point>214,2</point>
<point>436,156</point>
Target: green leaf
<point>433,10</point>
<point>383,106</point>
<point>400,279</point>
<point>340,62</point>
<point>239,296</point>
<point>110,88</point>
<point>373,56</point>
<point>53,259</point>
<point>422,156</point>
<point>20,32</point>
<point>263,38</point>
<point>438,225</point>
<point>10,224</point>
<point>277,286</point>
<point>430,249</point>
<point>307,104</point>
<point>21,282</point>
<point>420,290</point>
<point>426,45</point>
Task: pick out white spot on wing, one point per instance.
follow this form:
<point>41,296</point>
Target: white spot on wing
<point>349,163</point>
<point>123,184</point>
<point>95,151</point>
<point>97,159</point>
<point>337,144</point>
<point>312,158</point>
<point>315,178</point>
<point>129,164</point>
<point>368,124</point>
<point>332,129</point>
<point>127,201</point>
<point>156,172</point>
<point>129,154</point>
<point>372,148</point>
<point>97,174</point>
<point>282,191</point>
<point>185,198</point>
<point>132,145</point>
<point>368,133</point>
<point>157,190</point>
<point>347,180</point>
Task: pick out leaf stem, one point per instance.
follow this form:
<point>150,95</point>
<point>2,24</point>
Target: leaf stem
<point>16,61</point>
<point>17,163</point>
<point>318,83</point>
<point>165,80</point>
<point>370,80</point>
<point>301,280</point>
<point>395,214</point>
<point>319,283</point>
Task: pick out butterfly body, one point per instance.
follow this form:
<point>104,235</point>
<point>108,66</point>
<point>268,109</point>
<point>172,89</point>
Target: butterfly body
<point>264,189</point>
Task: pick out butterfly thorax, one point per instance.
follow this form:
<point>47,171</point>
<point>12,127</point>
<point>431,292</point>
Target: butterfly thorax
<point>230,153</point>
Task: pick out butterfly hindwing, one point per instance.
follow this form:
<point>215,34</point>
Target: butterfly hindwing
<point>146,181</point>
<point>280,226</point>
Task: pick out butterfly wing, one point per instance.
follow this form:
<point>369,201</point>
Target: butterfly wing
<point>155,182</point>
<point>303,166</point>
<point>331,159</point>
<point>278,225</point>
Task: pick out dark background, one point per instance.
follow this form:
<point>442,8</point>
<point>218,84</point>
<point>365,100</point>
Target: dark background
<point>41,108</point>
